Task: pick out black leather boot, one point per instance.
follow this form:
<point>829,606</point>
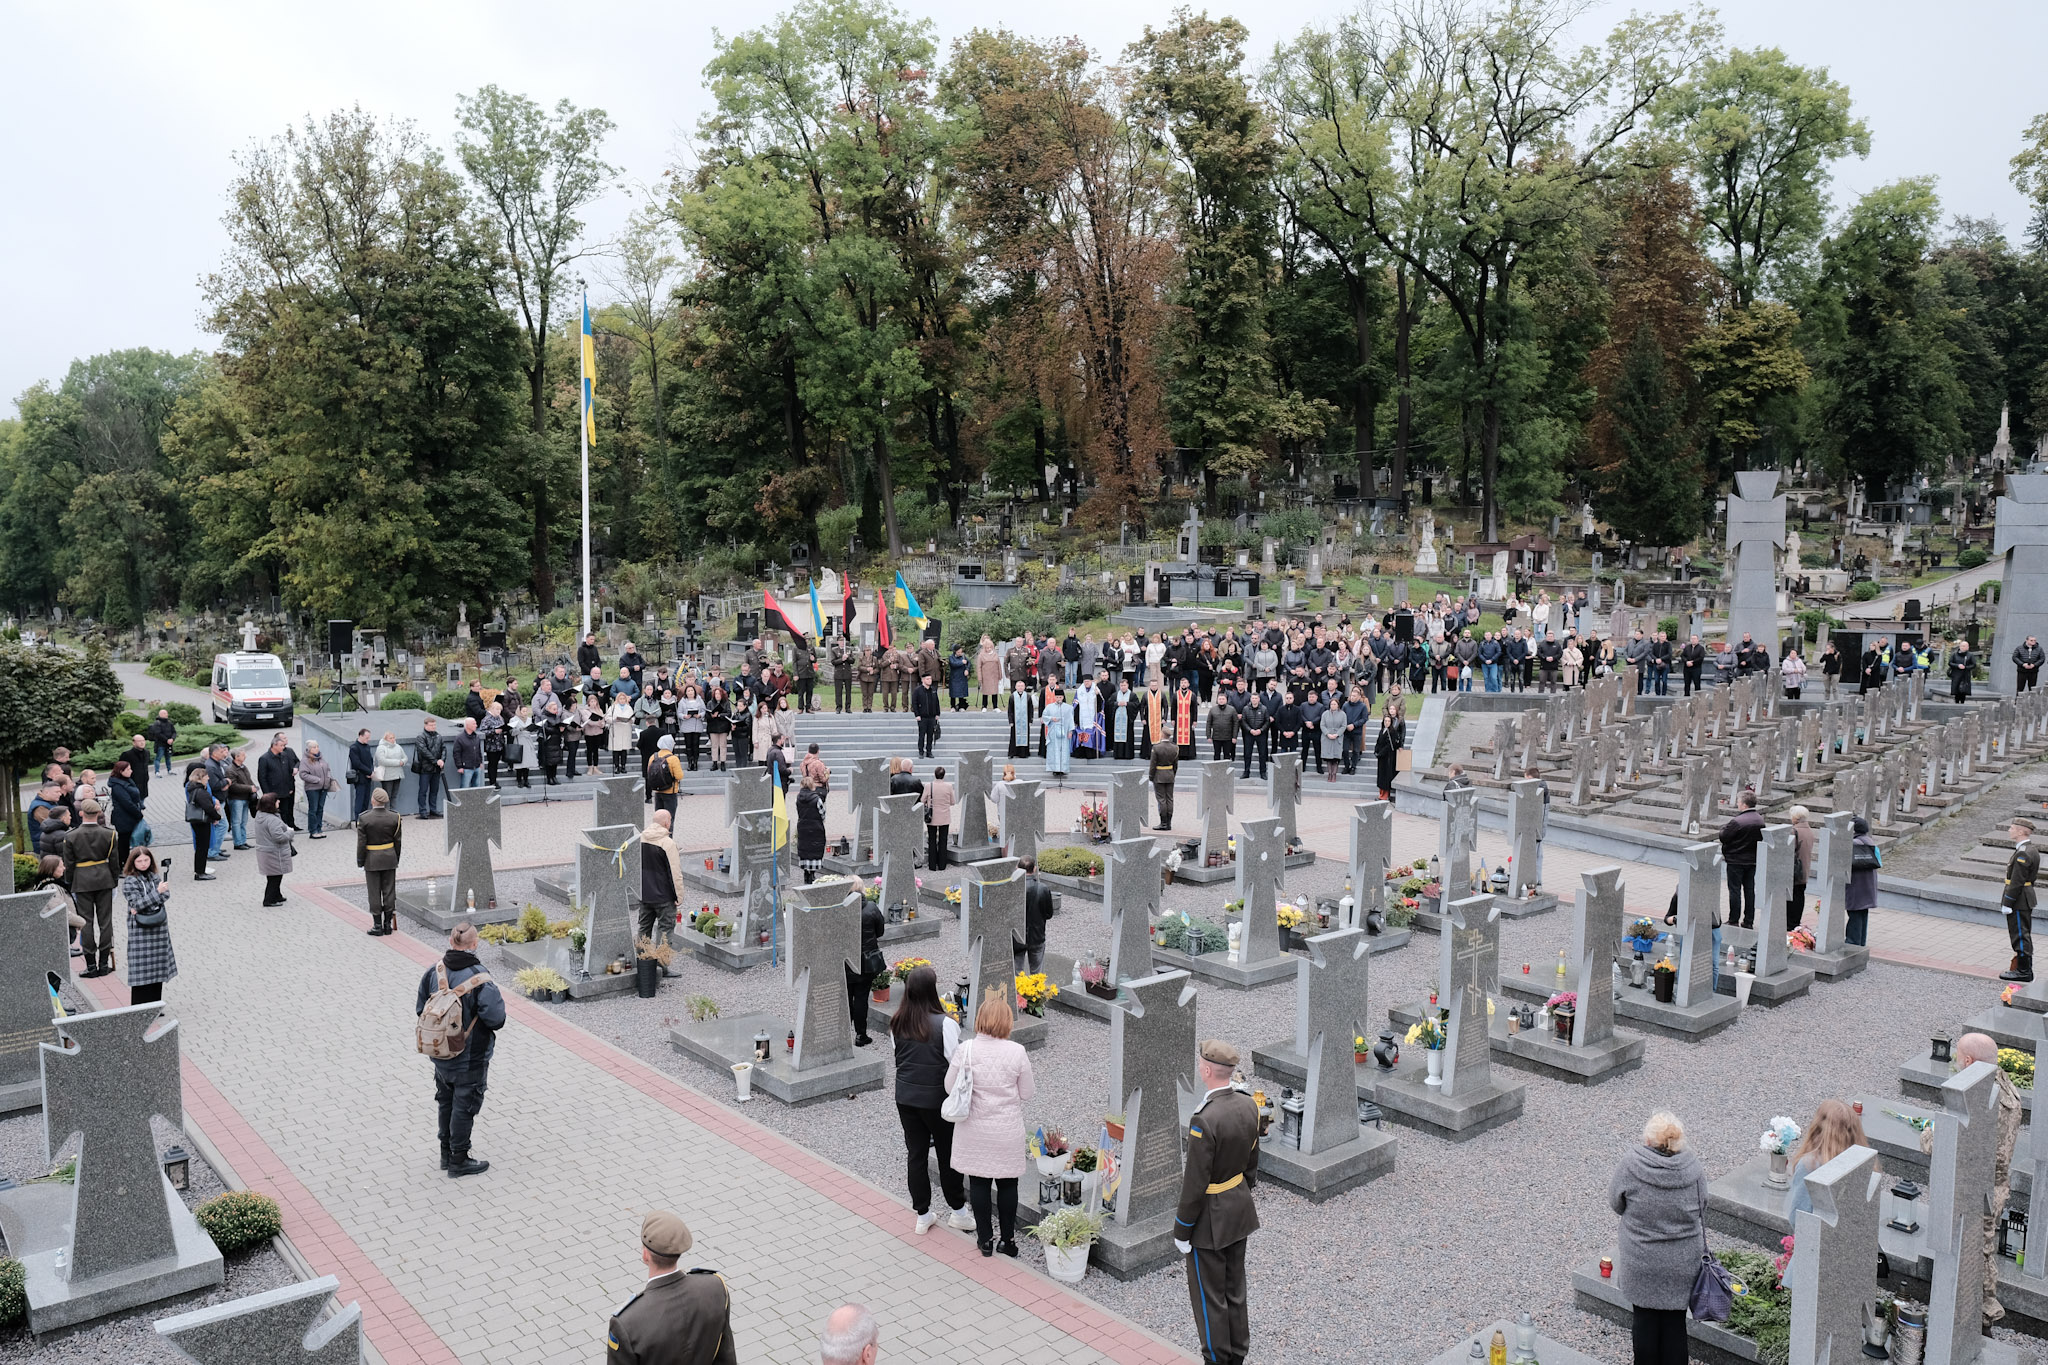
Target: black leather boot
<point>444,1154</point>
<point>460,1164</point>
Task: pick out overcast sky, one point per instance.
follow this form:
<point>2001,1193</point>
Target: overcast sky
<point>122,120</point>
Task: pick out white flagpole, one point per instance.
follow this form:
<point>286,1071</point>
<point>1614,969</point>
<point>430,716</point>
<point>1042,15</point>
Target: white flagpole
<point>583,439</point>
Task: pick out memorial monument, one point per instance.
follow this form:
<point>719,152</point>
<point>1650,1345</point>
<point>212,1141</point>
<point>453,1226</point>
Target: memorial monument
<point>2022,545</point>
<point>1756,533</point>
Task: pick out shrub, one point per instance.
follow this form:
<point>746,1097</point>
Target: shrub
<point>1865,590</point>
<point>448,703</point>
<point>1069,862</point>
<point>182,713</point>
<point>26,870</point>
<point>191,740</point>
<point>1973,558</point>
<point>239,1219</point>
<point>127,724</point>
<point>1670,626</point>
<point>404,699</point>
<point>1812,619</point>
<point>13,1292</point>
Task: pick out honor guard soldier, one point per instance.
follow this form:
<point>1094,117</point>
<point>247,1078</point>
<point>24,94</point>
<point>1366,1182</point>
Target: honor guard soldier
<point>2018,900</point>
<point>679,1318</point>
<point>380,841</point>
<point>1216,1210</point>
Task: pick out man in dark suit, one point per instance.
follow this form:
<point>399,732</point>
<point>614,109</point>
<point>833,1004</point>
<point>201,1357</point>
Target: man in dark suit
<point>1739,840</point>
<point>2018,900</point>
<point>924,704</point>
<point>678,1319</point>
<point>1217,1215</point>
<point>1037,910</point>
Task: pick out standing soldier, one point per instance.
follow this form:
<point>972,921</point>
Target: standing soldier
<point>1216,1210</point>
<point>1164,765</point>
<point>842,675</point>
<point>678,1319</point>
<point>2018,900</point>
<point>89,857</point>
<point>870,669</point>
<point>805,671</point>
<point>380,837</point>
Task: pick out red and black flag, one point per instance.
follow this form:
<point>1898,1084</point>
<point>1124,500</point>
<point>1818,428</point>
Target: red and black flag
<point>774,617</point>
<point>846,611</point>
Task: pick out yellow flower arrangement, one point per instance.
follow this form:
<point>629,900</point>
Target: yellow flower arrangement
<point>1429,1033</point>
<point>1290,916</point>
<point>952,895</point>
<point>1034,989</point>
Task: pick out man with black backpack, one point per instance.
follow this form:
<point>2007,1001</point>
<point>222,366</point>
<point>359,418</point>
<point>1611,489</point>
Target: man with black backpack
<point>460,1012</point>
<point>665,775</point>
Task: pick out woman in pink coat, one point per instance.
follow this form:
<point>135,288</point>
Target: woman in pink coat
<point>988,1147</point>
<point>988,668</point>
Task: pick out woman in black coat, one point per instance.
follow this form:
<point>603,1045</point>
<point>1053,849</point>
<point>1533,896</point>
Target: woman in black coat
<point>127,807</point>
<point>1387,748</point>
<point>810,829</point>
<point>925,1037</point>
<point>872,965</point>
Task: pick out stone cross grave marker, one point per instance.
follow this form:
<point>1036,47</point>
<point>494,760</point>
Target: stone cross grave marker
<point>1887,792</point>
<point>1696,719</point>
<point>1530,731</point>
<point>1283,793</point>
<point>1215,800</point>
<point>1557,713</point>
<point>1372,854</point>
<point>1910,763</point>
<point>1773,887</point>
<point>1830,732</point>
<point>1457,836</point>
<point>1798,738</point>
<point>1261,868</point>
<point>824,941</point>
<point>899,832</point>
<point>1582,771</point>
<point>1773,692</point>
<point>865,789</point>
<point>1329,1012</point>
<point>1503,747</point>
<point>475,821</point>
<point>1127,797</point>
<point>1632,737</point>
<point>1833,1242</point>
<point>1130,897</point>
<point>970,804</point>
<point>991,926</point>
<point>1741,764</point>
<point>1020,816</point>
<point>34,945</point>
<point>1692,781</point>
<point>1607,756</point>
<point>1699,894</point>
<point>1832,846</point>
<point>1595,912</point>
<point>748,789</point>
<point>1717,712</point>
<point>2030,1154</point>
<point>281,1326</point>
<point>119,1070</point>
<point>1526,817</point>
<point>621,799</point>
<point>1765,768</point>
<point>1469,966</point>
<point>1965,1151</point>
<point>1151,1053</point>
<point>607,878</point>
<point>755,860</point>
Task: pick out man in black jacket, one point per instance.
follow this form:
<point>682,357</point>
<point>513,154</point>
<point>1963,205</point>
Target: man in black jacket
<point>1660,665</point>
<point>2028,659</point>
<point>161,735</point>
<point>1255,722</point>
<point>1739,840</point>
<point>274,774</point>
<point>1037,910</point>
<point>362,774</point>
<point>1694,658</point>
<point>460,1081</point>
<point>430,763</point>
<point>924,704</point>
<point>587,656</point>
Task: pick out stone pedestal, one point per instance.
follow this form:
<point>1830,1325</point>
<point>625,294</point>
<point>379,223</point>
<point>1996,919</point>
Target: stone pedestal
<point>1547,1351</point>
<point>1545,1052</point>
<point>1324,1175</point>
<point>442,914</point>
<point>1408,1098</point>
<point>1688,1023</point>
<point>57,1302</point>
<point>1218,969</point>
<point>1773,989</point>
<point>1845,961</point>
<point>556,953</point>
<point>720,1043</point>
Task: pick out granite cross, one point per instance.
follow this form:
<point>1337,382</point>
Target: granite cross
<point>1151,1051</point>
<point>865,788</point>
<point>991,927</point>
<point>1692,780</point>
<point>2030,1154</point>
<point>1468,966</point>
<point>1699,895</point>
<point>621,800</point>
<point>1457,833</point>
<point>1283,793</point>
<point>283,1326</point>
<point>1261,868</point>
<point>607,880</point>
<point>34,947</point>
<point>1765,768</point>
<point>475,822</point>
<point>1130,897</point>
<point>1020,816</point>
<point>1530,732</point>
<point>1215,800</point>
<point>119,1070</point>
<point>1582,771</point>
<point>755,865</point>
<point>1773,889</point>
<point>1965,1152</point>
<point>1128,793</point>
<point>1503,747</point>
<point>1832,847</point>
<point>1526,817</point>
<point>899,831</point>
<point>1329,1015</point>
<point>970,804</point>
<point>1372,854</point>
<point>748,789</point>
<point>824,943</point>
<point>1833,1245</point>
<point>1595,912</point>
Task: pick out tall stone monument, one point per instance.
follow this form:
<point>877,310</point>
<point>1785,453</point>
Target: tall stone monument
<point>1525,834</point>
<point>1699,895</point>
<point>1458,842</point>
<point>1217,798</point>
<point>748,789</point>
<point>34,946</point>
<point>2022,544</point>
<point>865,788</point>
<point>1965,1151</point>
<point>476,820</point>
<point>991,925</point>
<point>1334,1151</point>
<point>1372,854</point>
<point>1020,816</point>
<point>1261,867</point>
<point>607,880</point>
<point>1283,794</point>
<point>1756,533</point>
<point>1151,1056</point>
<point>899,837</point>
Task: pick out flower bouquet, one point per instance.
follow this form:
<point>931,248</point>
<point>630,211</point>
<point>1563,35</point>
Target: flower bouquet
<point>1564,1013</point>
<point>1778,1139</point>
<point>1033,990</point>
<point>904,966</point>
<point>1429,1032</point>
<point>2018,1067</point>
<point>1290,916</point>
<point>1095,820</point>
<point>872,891</point>
<point>952,895</point>
<point>1095,981</point>
<point>1800,939</point>
<point>1641,936</point>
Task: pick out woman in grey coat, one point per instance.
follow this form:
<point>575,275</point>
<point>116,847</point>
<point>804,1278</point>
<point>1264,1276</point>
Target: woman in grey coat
<point>273,838</point>
<point>1660,1191</point>
<point>1330,737</point>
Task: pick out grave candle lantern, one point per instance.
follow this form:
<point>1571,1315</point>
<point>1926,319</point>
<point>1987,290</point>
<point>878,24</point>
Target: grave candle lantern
<point>178,1168</point>
<point>761,1045</point>
<point>1903,1212</point>
<point>1943,1049</point>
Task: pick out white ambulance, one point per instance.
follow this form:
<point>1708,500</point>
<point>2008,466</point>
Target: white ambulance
<point>251,689</point>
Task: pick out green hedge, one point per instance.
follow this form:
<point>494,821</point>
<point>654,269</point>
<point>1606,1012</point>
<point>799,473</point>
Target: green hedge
<point>405,699</point>
<point>1973,558</point>
<point>448,703</point>
<point>191,739</point>
<point>13,1292</point>
<point>238,1219</point>
<point>25,870</point>
<point>1864,591</point>
<point>1069,862</point>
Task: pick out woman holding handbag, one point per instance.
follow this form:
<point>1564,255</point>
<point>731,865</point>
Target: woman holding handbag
<point>926,1037</point>
<point>273,849</point>
<point>202,813</point>
<point>1660,1191</point>
<point>988,1146</point>
<point>146,887</point>
<point>318,780</point>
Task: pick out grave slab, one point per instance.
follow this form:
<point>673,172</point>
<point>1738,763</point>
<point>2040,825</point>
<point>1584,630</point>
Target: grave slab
<point>720,1043</point>
<point>1548,1351</point>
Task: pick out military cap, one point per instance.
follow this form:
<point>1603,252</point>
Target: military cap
<point>664,1234</point>
<point>1216,1052</point>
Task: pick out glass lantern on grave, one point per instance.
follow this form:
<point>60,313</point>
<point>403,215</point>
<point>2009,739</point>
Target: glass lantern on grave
<point>1942,1049</point>
<point>1902,1206</point>
<point>2012,1233</point>
<point>1292,1109</point>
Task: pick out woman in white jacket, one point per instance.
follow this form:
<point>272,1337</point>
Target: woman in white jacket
<point>619,723</point>
<point>390,759</point>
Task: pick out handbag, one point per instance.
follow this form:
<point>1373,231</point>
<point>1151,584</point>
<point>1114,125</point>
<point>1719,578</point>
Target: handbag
<point>961,1097</point>
<point>333,784</point>
<point>1713,1289</point>
<point>1404,760</point>
<point>1865,858</point>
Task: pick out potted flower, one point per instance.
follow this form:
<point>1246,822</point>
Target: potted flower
<point>1113,1124</point>
<point>1800,940</point>
<point>1052,1155</point>
<point>1361,1051</point>
<point>1777,1142</point>
<point>2018,1067</point>
<point>1095,820</point>
<point>651,963</point>
<point>1067,1235</point>
<point>1095,981</point>
<point>1290,919</point>
<point>1641,936</point>
<point>1033,990</point>
<point>1088,1165</point>
<point>1564,1012</point>
<point>1429,1034</point>
<point>1664,980</point>
<point>878,989</point>
<point>904,966</point>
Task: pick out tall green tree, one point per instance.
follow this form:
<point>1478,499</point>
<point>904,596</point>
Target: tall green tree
<point>537,171</point>
<point>1655,491</point>
<point>54,696</point>
<point>366,422</point>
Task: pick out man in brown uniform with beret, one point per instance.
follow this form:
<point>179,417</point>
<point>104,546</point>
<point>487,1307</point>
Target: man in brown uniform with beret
<point>678,1319</point>
<point>2018,900</point>
<point>380,841</point>
<point>1216,1210</point>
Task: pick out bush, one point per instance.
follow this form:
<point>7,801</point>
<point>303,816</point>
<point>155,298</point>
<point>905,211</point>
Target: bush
<point>239,1219</point>
<point>1070,862</point>
<point>1812,619</point>
<point>448,703</point>
<point>13,1292</point>
<point>1973,558</point>
<point>128,724</point>
<point>1297,527</point>
<point>191,740</point>
<point>1670,626</point>
<point>25,870</point>
<point>1865,590</point>
<point>182,713</point>
<point>405,699</point>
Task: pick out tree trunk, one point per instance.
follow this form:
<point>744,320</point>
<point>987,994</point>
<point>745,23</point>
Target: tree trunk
<point>956,465</point>
<point>1489,454</point>
<point>1038,470</point>
<point>792,413</point>
<point>1404,401</point>
<point>1363,399</point>
<point>885,488</point>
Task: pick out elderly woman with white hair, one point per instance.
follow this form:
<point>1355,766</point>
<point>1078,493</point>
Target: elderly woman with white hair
<point>1660,1191</point>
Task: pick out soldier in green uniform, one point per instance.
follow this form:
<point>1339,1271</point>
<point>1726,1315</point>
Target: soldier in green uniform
<point>380,839</point>
<point>2018,900</point>
<point>679,1318</point>
<point>1216,1210</point>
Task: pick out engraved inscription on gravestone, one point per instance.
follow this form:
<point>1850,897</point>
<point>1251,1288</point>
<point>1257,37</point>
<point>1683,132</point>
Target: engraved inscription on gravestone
<point>1151,1053</point>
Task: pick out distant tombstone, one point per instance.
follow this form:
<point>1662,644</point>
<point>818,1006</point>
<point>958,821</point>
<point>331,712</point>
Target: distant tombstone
<point>1583,756</point>
<point>970,807</point>
<point>1372,855</point>
<point>621,799</point>
<point>249,638</point>
<point>824,942</point>
<point>1283,794</point>
<point>748,789</point>
<point>761,869</point>
<point>475,821</point>
<point>284,1326</point>
<point>1756,533</point>
<point>1151,1050</point>
<point>1691,784</point>
<point>607,881</point>
<point>899,834</point>
<point>1965,1153</point>
<point>865,788</point>
<point>1130,898</point>
<point>991,925</point>
<point>1699,897</point>
<point>1529,731</point>
<point>1595,912</point>
<point>1020,817</point>
<point>1330,1011</point>
<point>1216,799</point>
<point>1833,1244</point>
<point>1261,868</point>
<point>1127,797</point>
<point>1526,817</point>
<point>34,946</point>
<point>1764,770</point>
<point>1833,845</point>
<point>1468,968</point>
<point>1503,747</point>
<point>1457,841</point>
<point>1773,886</point>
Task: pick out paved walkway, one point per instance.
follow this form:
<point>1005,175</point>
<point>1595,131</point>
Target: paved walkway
<point>1954,588</point>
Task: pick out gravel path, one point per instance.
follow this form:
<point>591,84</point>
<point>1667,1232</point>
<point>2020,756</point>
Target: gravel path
<point>1457,1235</point>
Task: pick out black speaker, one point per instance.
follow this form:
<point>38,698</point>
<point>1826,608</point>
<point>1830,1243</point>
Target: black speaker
<point>341,637</point>
<point>1404,626</point>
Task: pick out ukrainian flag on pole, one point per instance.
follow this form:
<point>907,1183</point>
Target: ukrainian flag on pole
<point>781,809</point>
<point>589,374</point>
<point>906,602</point>
<point>817,614</point>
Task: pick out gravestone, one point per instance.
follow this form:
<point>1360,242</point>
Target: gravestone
<point>1283,793</point>
<point>1582,771</point>
<point>970,808</point>
<point>607,880</point>
<point>34,946</point>
<point>131,1240</point>
<point>1503,747</point>
<point>899,837</point>
<point>1216,799</point>
<point>476,820</point>
<point>1797,739</point>
<point>824,941</point>
<point>1261,868</point>
<point>1965,1150</point>
<point>865,788</point>
<point>1130,897</point>
<point>1699,895</point>
<point>1660,735</point>
<point>1833,1245</point>
<point>1741,762</point>
<point>2030,1154</point>
<point>1830,732</point>
<point>1595,912</point>
<point>761,870</point>
<point>1692,781</point>
<point>1756,533</point>
<point>1833,845</point>
<point>1372,854</point>
<point>621,800</point>
<point>1151,1054</point>
<point>1468,965</point>
<point>1765,767</point>
<point>1128,793</point>
<point>1020,816</point>
<point>748,789</point>
<point>1457,841</point>
<point>991,926</point>
<point>284,1326</point>
<point>1525,834</point>
<point>1776,978</point>
<point>1632,736</point>
<point>1530,731</point>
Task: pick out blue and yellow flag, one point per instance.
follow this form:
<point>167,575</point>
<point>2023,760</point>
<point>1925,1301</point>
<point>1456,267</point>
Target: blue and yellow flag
<point>589,374</point>
<point>906,601</point>
<point>781,809</point>
<point>817,614</point>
